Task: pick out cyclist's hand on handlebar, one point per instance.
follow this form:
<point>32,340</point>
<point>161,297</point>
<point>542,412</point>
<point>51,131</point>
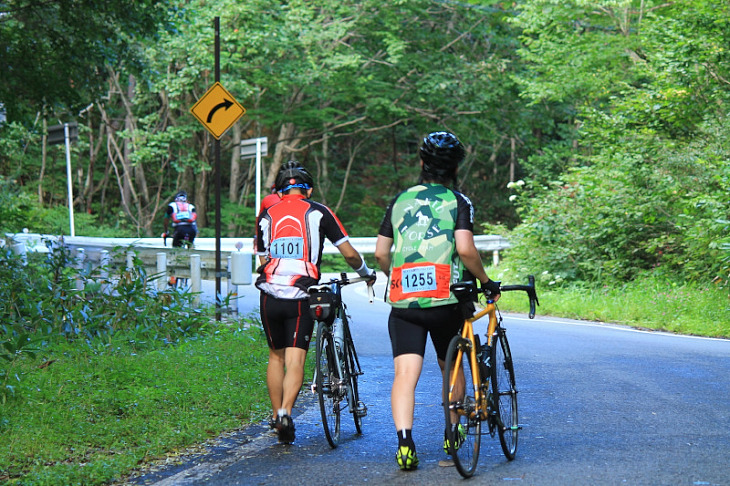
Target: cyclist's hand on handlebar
<point>492,289</point>
<point>371,283</point>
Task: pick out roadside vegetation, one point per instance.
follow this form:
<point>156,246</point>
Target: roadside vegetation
<point>98,381</point>
<point>646,302</point>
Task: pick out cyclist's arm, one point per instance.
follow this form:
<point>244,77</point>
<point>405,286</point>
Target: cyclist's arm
<point>353,258</point>
<point>469,255</point>
<point>382,253</point>
<point>167,217</point>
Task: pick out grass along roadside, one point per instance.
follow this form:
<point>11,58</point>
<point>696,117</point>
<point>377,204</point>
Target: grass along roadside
<point>90,417</point>
<point>645,303</point>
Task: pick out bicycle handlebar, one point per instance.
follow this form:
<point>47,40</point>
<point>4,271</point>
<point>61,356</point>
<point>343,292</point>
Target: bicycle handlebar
<point>344,280</point>
<point>529,288</point>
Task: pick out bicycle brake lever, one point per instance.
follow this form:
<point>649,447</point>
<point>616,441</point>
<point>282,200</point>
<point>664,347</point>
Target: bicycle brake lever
<point>371,293</point>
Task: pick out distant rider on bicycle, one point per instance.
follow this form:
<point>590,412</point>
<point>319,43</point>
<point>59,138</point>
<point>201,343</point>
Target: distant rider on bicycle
<point>290,239</point>
<point>432,228</point>
<point>183,217</point>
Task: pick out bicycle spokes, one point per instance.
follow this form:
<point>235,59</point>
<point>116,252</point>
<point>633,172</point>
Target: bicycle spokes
<point>461,395</point>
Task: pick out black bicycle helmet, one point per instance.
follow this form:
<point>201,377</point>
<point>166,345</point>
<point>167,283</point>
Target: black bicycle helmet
<point>293,174</point>
<point>181,196</point>
<point>441,153</point>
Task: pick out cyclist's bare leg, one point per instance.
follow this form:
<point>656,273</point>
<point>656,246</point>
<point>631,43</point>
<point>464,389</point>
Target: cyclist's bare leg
<point>294,359</point>
<point>284,377</point>
<point>275,379</point>
<point>403,394</point>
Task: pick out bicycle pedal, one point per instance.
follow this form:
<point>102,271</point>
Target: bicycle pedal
<point>361,410</point>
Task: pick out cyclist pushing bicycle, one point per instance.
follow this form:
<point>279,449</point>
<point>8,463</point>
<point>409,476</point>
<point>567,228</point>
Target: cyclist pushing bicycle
<point>290,239</point>
<point>431,230</point>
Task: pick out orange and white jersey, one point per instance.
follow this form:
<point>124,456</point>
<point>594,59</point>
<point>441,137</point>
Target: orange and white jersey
<point>290,235</point>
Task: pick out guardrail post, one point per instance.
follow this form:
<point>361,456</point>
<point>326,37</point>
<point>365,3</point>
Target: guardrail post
<point>130,260</point>
<point>106,262</point>
<point>195,279</point>
<point>495,257</point>
<point>162,270</point>
<point>20,250</point>
<point>80,260</point>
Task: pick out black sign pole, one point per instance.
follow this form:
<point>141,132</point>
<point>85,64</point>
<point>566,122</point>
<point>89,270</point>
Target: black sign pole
<point>217,155</point>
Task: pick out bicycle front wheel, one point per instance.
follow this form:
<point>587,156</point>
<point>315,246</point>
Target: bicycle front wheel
<point>504,394</point>
<point>463,424</point>
<point>357,408</point>
<point>328,383</point>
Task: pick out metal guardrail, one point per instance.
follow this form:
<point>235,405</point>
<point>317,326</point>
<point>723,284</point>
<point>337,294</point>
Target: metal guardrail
<point>147,249</point>
<point>110,256</point>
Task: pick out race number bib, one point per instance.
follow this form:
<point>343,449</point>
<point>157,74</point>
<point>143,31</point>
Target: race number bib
<point>289,247</point>
<point>414,280</point>
<point>418,279</point>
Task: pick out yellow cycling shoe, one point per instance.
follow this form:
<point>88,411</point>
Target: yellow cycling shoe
<point>406,458</point>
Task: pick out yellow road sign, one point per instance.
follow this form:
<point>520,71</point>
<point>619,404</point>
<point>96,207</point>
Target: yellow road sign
<point>217,110</point>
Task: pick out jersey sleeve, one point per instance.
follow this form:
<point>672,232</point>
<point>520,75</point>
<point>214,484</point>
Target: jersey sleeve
<point>332,228</point>
<point>263,223</point>
<point>464,213</point>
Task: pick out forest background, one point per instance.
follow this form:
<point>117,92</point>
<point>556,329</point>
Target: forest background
<point>596,132</point>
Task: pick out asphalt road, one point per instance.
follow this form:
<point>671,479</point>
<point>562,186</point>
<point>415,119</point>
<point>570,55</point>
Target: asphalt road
<point>599,404</point>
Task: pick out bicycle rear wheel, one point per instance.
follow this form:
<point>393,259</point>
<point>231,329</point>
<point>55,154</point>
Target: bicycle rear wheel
<point>504,394</point>
<point>328,383</point>
<point>463,425</point>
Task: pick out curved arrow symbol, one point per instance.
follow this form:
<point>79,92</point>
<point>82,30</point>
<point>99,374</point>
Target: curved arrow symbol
<point>225,105</point>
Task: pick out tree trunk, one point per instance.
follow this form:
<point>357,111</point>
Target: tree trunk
<point>353,153</point>
<point>285,145</point>
<point>235,181</point>
<point>44,155</point>
<point>201,198</point>
<point>512,159</point>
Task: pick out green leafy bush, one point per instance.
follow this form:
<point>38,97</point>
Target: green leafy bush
<point>50,301</point>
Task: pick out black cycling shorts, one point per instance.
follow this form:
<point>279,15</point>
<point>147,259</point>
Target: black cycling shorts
<point>183,232</point>
<point>287,323</point>
<point>409,329</point>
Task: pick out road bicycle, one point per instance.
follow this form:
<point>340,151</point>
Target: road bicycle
<point>336,367</point>
<point>479,381</point>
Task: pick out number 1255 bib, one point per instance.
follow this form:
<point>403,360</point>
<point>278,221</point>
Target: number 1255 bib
<point>414,280</point>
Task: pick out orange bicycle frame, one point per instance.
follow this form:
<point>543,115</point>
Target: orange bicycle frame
<point>467,332</point>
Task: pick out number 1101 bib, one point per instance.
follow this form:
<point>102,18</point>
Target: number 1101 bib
<point>289,247</point>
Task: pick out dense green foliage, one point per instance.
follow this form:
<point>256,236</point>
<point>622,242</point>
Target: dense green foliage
<point>611,112</point>
<point>348,88</point>
<point>641,183</point>
<point>57,54</point>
